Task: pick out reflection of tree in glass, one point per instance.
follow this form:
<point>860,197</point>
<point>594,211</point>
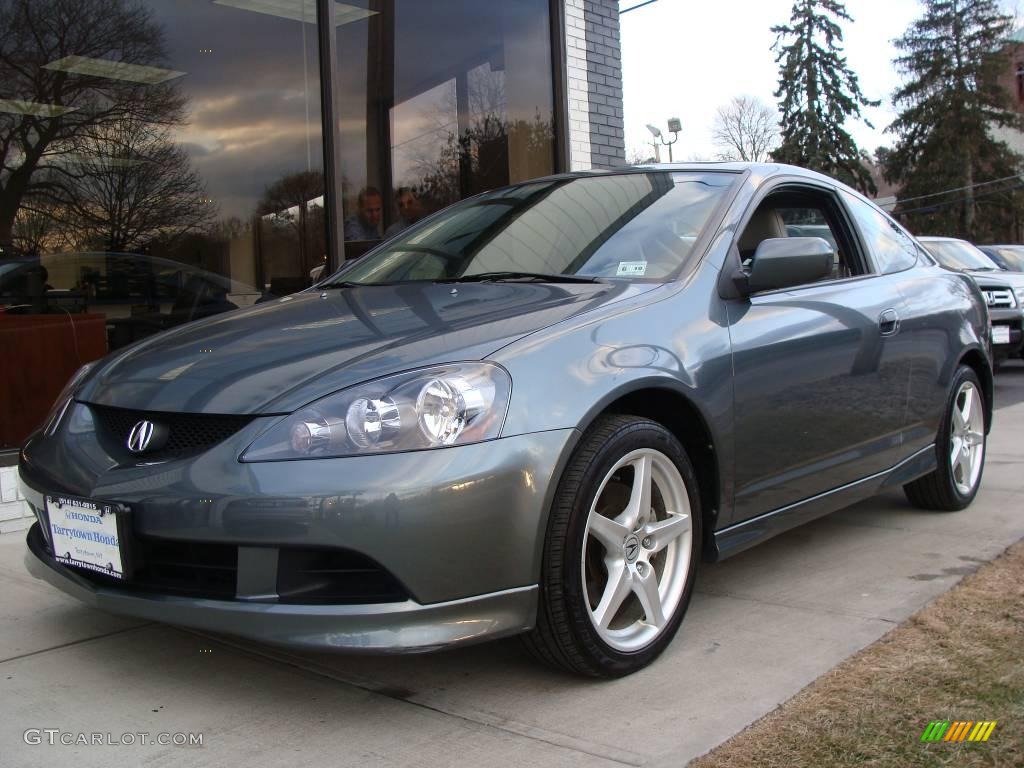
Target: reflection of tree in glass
<point>478,159</point>
<point>226,230</point>
<point>40,227</point>
<point>474,153</point>
<point>294,204</point>
<point>54,115</point>
<point>134,185</point>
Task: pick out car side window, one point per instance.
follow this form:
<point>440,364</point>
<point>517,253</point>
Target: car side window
<point>810,221</point>
<point>892,248</point>
<point>799,214</point>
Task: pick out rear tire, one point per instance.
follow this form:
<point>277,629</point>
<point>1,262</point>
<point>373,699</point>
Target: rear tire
<point>621,552</point>
<point>960,447</point>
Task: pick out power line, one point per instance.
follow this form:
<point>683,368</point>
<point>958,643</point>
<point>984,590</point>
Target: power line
<point>945,203</point>
<point>634,7</point>
<point>957,189</point>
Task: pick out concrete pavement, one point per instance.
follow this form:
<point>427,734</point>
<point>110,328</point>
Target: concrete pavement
<point>762,625</point>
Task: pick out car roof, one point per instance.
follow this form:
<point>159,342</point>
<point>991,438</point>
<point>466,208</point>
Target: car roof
<point>941,239</point>
<point>761,170</point>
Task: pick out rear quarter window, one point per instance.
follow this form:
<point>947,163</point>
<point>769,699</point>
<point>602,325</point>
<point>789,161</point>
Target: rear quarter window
<point>891,248</point>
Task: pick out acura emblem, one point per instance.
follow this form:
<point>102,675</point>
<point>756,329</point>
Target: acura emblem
<point>141,436</point>
<point>632,548</point>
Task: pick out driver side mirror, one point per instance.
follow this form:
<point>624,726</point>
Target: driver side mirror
<point>782,262</point>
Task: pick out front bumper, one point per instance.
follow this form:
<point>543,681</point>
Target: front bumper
<point>460,529</point>
<point>405,627</point>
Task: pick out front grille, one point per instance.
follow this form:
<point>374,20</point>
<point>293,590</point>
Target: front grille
<point>186,568</point>
<point>331,576</point>
<point>201,569</point>
<point>193,568</point>
<point>188,433</point>
<point>999,298</point>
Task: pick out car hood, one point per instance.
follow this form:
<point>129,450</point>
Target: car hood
<point>280,355</point>
<point>1000,279</point>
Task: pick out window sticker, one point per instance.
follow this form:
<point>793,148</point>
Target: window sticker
<point>631,269</point>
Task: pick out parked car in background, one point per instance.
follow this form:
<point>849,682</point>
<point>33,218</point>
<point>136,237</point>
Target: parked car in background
<point>138,294</point>
<point>20,278</point>
<point>531,413</point>
<point>1009,257</point>
<point>1003,290</point>
<point>60,310</point>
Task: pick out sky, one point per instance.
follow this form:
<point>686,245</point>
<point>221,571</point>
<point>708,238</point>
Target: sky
<point>685,59</point>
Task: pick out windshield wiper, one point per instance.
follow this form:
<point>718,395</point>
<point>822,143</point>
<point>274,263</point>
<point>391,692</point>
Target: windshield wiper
<point>537,277</point>
<point>336,284</point>
<point>349,284</point>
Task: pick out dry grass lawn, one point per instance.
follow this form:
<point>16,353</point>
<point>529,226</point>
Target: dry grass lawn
<point>960,658</point>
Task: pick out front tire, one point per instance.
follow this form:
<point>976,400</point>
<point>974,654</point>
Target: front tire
<point>960,446</point>
<point>621,552</point>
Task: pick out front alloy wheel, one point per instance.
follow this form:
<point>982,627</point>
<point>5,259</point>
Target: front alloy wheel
<point>636,554</point>
<point>621,550</point>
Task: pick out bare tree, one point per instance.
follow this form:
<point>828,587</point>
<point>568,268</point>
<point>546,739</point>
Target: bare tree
<point>636,157</point>
<point>132,184</point>
<point>746,129</point>
<point>67,69</point>
<point>295,202</point>
<point>42,226</point>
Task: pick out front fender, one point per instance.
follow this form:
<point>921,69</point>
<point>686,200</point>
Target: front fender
<point>566,376</point>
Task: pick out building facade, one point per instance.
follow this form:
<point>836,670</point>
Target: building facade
<point>1011,79</point>
<point>165,161</point>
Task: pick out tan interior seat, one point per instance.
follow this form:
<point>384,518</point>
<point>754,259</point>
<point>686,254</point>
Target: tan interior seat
<point>764,224</point>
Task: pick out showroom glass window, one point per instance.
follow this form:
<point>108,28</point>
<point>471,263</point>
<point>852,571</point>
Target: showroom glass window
<point>162,161</point>
<point>438,101</point>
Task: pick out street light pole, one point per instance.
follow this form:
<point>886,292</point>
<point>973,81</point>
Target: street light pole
<point>674,126</point>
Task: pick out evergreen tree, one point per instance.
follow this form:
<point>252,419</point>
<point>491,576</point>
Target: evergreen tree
<point>818,93</point>
<point>952,57</point>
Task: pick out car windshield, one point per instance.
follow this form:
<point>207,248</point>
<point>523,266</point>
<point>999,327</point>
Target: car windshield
<point>10,268</point>
<point>1013,256</point>
<point>626,226</point>
<point>956,254</point>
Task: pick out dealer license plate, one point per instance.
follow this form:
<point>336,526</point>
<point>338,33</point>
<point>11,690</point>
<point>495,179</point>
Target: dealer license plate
<point>1000,334</point>
<point>84,534</point>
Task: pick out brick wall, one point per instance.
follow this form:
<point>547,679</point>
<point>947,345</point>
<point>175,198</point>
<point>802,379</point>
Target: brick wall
<point>14,512</point>
<point>1013,58</point>
<point>594,80</point>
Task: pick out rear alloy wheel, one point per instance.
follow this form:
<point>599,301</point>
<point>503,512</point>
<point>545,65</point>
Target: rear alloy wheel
<point>961,450</point>
<point>622,549</point>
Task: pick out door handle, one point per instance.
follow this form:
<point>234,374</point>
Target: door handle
<point>889,322</point>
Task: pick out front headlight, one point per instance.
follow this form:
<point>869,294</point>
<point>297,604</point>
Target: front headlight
<point>63,400</point>
<point>429,408</point>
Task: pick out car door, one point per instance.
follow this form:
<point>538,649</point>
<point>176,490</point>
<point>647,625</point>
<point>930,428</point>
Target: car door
<point>929,323</point>
<point>820,387</point>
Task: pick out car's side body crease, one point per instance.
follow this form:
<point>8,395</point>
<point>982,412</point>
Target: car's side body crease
<point>736,538</point>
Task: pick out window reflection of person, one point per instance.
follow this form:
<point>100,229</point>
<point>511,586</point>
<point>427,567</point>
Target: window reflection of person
<point>364,224</point>
<point>409,210</point>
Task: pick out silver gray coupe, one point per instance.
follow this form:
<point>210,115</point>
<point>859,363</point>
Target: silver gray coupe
<point>531,413</point>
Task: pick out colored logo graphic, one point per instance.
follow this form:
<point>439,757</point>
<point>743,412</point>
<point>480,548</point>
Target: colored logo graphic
<point>958,730</point>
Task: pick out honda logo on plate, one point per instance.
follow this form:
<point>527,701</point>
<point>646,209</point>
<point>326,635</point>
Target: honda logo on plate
<point>145,436</point>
